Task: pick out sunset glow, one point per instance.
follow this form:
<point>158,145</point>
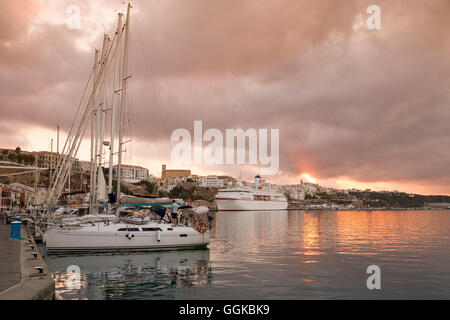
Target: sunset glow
<point>308,178</point>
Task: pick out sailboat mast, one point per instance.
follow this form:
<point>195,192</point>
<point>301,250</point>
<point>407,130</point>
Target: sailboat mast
<point>98,146</point>
<point>103,104</point>
<point>122,102</point>
<point>35,173</point>
<point>113,111</point>
<point>93,172</point>
<point>57,151</point>
<point>57,139</point>
<point>51,162</point>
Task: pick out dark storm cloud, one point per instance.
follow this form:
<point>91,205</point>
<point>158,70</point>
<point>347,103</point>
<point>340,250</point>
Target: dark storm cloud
<point>368,105</point>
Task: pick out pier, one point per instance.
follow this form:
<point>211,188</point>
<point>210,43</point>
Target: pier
<point>23,272</point>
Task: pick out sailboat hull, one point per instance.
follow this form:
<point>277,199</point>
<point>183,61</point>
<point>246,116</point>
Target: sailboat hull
<point>108,238</point>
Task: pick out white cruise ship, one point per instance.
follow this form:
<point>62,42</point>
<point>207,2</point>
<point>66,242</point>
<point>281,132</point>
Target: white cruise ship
<point>250,199</point>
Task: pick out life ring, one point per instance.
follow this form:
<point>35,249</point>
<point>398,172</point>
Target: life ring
<point>202,227</point>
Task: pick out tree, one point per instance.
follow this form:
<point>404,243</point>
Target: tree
<point>162,194</point>
<point>18,150</point>
<point>29,159</point>
<point>20,158</point>
<point>150,187</point>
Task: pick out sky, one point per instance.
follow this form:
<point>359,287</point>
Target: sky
<point>354,107</point>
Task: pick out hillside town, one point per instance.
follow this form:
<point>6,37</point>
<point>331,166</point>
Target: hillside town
<point>24,189</point>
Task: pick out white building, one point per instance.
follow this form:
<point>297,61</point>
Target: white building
<point>308,189</point>
<point>132,174</point>
<point>210,181</point>
<point>173,182</point>
<point>297,195</point>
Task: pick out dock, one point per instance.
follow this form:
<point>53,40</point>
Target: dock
<point>23,272</point>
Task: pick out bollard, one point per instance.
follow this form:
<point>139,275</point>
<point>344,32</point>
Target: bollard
<point>16,227</point>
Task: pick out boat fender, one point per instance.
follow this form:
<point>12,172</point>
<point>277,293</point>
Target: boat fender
<point>202,227</point>
<point>158,235</point>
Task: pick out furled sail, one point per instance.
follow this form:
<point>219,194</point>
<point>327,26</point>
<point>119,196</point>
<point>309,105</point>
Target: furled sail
<point>102,194</point>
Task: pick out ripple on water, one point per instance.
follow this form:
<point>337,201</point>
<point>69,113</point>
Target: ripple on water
<point>281,255</point>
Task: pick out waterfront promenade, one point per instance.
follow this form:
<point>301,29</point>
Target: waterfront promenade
<point>10,260</point>
<point>23,272</point>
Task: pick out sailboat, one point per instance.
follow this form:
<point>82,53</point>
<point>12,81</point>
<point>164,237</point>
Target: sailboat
<point>107,235</point>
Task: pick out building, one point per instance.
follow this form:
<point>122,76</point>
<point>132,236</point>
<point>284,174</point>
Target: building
<point>132,174</point>
<point>47,159</point>
<point>85,166</point>
<point>165,174</point>
<point>440,205</point>
<point>210,182</point>
<point>15,195</point>
<point>227,180</point>
<point>298,195</point>
<point>172,182</point>
<point>6,197</point>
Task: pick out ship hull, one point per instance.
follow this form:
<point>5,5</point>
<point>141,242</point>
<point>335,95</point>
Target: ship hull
<point>250,205</point>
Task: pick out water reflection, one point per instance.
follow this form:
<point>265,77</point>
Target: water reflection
<point>325,254</point>
<point>131,276</point>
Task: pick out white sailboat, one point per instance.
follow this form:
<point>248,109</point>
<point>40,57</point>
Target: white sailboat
<point>114,235</point>
<point>106,237</point>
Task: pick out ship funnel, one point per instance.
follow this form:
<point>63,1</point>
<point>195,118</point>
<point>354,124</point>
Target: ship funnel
<point>257,181</point>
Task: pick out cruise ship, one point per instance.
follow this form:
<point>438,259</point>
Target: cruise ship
<point>254,198</point>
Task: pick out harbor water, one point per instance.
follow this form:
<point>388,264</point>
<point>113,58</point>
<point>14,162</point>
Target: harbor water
<point>279,255</point>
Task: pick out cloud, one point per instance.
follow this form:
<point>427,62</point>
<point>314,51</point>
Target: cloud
<point>16,18</point>
<point>371,106</point>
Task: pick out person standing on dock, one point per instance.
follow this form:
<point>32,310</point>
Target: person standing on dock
<point>174,213</point>
<point>2,217</point>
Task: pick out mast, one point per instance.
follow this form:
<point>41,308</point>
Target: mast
<point>35,172</point>
<point>113,111</point>
<point>57,153</point>
<point>77,137</point>
<point>70,173</point>
<point>92,173</point>
<point>98,146</point>
<point>103,104</point>
<point>57,139</point>
<point>122,102</point>
<point>103,112</point>
<point>51,162</point>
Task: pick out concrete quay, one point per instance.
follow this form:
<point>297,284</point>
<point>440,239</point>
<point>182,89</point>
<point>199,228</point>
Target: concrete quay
<point>19,278</point>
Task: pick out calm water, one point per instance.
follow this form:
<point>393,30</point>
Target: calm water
<point>282,255</point>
